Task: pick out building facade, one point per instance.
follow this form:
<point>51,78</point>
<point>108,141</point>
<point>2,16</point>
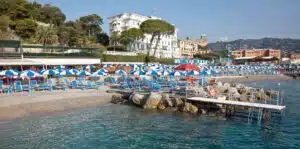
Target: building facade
<point>190,47</point>
<point>166,47</point>
<point>252,53</point>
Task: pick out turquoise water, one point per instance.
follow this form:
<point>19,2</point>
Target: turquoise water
<point>121,126</point>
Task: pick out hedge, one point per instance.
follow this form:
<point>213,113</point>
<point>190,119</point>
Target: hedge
<point>139,58</point>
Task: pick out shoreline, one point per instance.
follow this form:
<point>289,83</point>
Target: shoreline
<point>20,105</point>
<point>242,79</point>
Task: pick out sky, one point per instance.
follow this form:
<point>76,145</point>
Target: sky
<point>218,19</point>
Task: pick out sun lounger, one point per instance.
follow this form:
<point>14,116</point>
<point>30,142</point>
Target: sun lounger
<point>18,86</point>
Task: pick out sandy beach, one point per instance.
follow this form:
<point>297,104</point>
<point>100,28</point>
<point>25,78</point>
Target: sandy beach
<point>20,105</point>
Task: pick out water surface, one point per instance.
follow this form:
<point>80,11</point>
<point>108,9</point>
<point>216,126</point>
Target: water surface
<point>121,126</point>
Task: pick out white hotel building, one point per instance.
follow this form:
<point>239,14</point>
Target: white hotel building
<point>167,46</point>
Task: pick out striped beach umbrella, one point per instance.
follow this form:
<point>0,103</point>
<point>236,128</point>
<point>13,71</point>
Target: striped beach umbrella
<point>176,74</point>
<point>89,67</point>
<point>103,70</point>
<point>9,73</point>
<point>83,73</point>
<point>50,72</point>
<point>30,74</point>
<point>139,73</point>
<point>99,73</point>
<point>165,73</point>
<point>120,72</point>
<point>193,73</point>
<point>66,73</point>
<point>153,73</point>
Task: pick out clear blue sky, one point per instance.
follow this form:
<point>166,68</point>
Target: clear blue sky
<point>234,19</point>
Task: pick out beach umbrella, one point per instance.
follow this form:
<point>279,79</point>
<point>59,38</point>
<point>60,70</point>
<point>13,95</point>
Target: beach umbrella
<point>99,73</point>
<point>83,73</point>
<point>153,73</point>
<point>177,73</point>
<point>187,67</point>
<point>120,72</point>
<point>66,73</point>
<point>193,73</point>
<point>75,71</point>
<point>139,73</point>
<point>89,67</point>
<point>103,70</point>
<point>30,74</point>
<point>165,73</point>
<point>9,73</point>
<point>50,72</point>
<point>60,67</point>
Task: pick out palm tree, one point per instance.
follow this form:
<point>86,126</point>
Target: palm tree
<point>46,35</point>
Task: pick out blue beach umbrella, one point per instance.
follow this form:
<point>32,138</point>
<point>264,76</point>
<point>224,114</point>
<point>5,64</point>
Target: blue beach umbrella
<point>139,73</point>
<point>120,72</point>
<point>99,73</point>
<point>165,73</point>
<point>30,74</point>
<point>152,73</point>
<point>74,71</point>
<point>177,74</point>
<point>9,73</point>
<point>193,73</point>
<point>50,72</point>
<point>83,73</point>
<point>103,70</point>
<point>89,67</point>
<point>66,73</point>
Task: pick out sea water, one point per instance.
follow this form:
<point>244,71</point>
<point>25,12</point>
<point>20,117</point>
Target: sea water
<point>121,126</point>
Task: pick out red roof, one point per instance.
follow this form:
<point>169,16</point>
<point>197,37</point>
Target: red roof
<point>187,67</point>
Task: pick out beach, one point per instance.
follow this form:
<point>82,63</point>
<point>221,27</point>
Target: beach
<point>21,105</point>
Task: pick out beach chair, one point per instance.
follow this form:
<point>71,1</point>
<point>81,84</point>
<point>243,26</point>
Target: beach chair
<point>33,84</point>
<point>74,84</point>
<point>18,86</point>
<point>90,85</point>
<point>1,86</point>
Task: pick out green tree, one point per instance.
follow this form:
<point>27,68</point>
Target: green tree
<point>131,35</point>
<point>103,38</point>
<point>4,23</point>
<point>25,28</point>
<point>15,9</point>
<point>52,15</point>
<point>114,38</point>
<point>91,24</point>
<point>46,35</point>
<point>156,28</point>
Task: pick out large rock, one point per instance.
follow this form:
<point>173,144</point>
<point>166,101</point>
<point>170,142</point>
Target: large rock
<point>166,99</point>
<point>232,90</point>
<point>117,99</point>
<point>236,96</point>
<point>226,85</point>
<point>162,105</point>
<point>178,102</point>
<point>152,101</point>
<point>190,108</point>
<point>201,92</point>
<point>138,99</point>
<point>261,95</point>
<point>245,90</point>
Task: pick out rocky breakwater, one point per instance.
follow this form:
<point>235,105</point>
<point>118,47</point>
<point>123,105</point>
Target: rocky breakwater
<point>154,100</point>
<point>177,102</point>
